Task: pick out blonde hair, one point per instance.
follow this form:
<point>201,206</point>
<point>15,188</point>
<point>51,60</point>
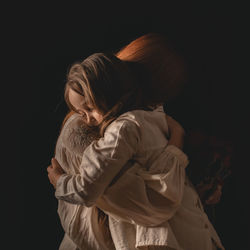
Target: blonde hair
<point>108,84</point>
<point>159,70</point>
<point>149,70</point>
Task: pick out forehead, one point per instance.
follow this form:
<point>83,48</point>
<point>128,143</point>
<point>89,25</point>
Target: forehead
<point>76,99</point>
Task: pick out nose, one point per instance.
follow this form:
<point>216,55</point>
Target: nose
<point>90,119</point>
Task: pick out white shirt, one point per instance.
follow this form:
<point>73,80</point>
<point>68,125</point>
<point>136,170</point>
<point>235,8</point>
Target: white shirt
<point>151,203</point>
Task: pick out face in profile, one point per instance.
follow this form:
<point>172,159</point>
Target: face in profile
<point>90,115</point>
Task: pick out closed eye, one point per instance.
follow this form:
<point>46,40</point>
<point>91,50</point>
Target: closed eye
<point>89,109</point>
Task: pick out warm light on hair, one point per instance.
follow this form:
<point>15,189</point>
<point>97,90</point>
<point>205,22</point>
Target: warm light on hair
<point>108,84</point>
<point>165,66</point>
<point>159,71</point>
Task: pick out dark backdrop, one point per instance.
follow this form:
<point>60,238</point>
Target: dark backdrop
<point>54,37</point>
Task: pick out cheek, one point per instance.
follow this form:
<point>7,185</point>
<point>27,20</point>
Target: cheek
<point>98,117</point>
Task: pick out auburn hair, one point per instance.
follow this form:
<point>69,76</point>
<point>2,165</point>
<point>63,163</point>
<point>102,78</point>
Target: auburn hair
<point>156,74</point>
<point>164,66</point>
<point>108,84</point>
<point>159,74</point>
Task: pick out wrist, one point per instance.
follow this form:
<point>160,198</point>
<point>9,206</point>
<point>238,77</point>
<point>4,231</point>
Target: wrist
<point>57,177</point>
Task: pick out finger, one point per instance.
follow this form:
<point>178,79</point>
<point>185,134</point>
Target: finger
<point>213,199</point>
<point>219,187</point>
<point>54,162</point>
<point>49,168</point>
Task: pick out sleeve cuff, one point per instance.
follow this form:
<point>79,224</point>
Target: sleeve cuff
<point>180,155</point>
<point>60,185</point>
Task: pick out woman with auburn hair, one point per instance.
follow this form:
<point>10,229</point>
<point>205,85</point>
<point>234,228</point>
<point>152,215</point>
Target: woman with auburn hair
<point>164,73</point>
<point>82,228</point>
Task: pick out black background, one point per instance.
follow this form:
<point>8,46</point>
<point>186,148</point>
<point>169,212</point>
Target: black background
<point>46,40</point>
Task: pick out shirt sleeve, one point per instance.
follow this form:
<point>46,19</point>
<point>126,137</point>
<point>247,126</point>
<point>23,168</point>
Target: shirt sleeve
<point>151,197</point>
<point>101,162</point>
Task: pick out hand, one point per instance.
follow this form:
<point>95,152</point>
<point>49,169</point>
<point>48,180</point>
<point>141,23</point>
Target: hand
<point>214,198</point>
<point>176,132</point>
<point>54,171</point>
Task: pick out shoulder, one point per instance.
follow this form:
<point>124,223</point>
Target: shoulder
<point>131,123</point>
<point>76,136</point>
<point>123,130</point>
<point>136,118</point>
<point>136,114</point>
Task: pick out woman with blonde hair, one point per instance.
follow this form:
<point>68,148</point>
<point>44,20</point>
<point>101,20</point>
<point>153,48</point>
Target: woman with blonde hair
<point>136,155</point>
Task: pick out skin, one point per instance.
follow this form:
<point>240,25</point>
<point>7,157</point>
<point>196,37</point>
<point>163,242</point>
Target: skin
<point>90,115</point>
<point>54,172</point>
<point>215,197</point>
<point>93,118</point>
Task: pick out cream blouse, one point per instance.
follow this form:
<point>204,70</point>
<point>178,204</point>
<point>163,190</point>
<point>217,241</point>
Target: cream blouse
<point>137,179</point>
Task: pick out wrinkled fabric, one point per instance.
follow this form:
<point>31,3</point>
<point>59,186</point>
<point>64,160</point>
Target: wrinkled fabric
<point>80,223</point>
<point>135,178</point>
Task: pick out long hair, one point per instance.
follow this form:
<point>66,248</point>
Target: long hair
<point>108,84</point>
<point>164,66</point>
<point>146,72</point>
<point>152,70</point>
